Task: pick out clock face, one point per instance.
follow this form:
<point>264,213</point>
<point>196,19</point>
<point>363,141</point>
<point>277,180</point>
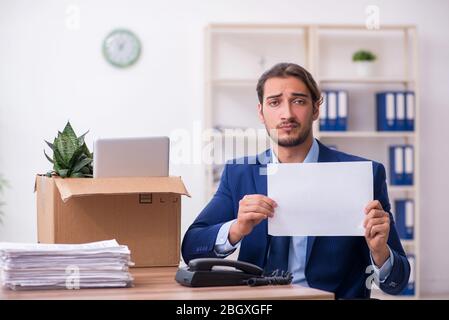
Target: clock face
<point>121,48</point>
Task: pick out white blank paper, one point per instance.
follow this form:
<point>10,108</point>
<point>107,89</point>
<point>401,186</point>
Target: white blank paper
<point>319,199</point>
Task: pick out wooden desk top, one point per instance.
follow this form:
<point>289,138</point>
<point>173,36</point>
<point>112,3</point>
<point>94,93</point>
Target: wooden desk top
<point>159,284</point>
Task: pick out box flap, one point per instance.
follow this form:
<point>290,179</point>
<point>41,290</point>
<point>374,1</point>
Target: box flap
<point>76,187</point>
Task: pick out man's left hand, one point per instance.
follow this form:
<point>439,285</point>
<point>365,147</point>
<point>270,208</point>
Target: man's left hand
<point>377,229</point>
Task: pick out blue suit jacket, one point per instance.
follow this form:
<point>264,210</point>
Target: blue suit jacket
<point>336,264</point>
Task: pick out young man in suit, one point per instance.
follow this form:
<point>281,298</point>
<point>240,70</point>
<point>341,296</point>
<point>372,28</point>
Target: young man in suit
<point>236,216</point>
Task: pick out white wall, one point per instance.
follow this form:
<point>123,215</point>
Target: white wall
<point>50,74</point>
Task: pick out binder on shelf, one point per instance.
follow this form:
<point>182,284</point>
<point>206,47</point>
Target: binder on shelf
<point>405,218</point>
<point>334,111</point>
<point>410,288</point>
<point>409,111</point>
<point>385,104</point>
<point>401,165</point>
<point>400,111</point>
<point>342,111</point>
<point>331,111</point>
<point>396,165</point>
<point>395,111</point>
<point>408,165</point>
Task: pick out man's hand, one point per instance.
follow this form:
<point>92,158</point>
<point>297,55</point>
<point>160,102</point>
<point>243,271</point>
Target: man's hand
<point>377,229</point>
<point>252,210</point>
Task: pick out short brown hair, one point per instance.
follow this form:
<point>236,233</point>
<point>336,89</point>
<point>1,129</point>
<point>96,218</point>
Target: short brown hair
<point>284,70</point>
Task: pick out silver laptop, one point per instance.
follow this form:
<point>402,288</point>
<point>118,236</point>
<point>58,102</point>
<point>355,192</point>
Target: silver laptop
<point>131,157</point>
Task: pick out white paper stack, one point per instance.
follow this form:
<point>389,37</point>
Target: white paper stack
<point>65,266</point>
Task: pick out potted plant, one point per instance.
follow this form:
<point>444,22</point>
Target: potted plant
<point>71,157</point>
<point>364,62</point>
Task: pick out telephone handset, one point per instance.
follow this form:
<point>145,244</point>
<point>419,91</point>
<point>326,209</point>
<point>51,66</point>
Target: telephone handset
<point>202,273</point>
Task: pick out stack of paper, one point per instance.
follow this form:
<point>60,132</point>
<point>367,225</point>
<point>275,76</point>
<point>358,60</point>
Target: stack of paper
<point>65,266</point>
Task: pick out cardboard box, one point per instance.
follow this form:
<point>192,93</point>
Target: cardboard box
<point>142,213</point>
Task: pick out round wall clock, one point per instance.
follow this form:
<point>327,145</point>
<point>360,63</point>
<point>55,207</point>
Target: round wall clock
<point>121,48</point>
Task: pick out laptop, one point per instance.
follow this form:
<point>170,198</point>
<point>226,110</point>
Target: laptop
<point>131,157</point>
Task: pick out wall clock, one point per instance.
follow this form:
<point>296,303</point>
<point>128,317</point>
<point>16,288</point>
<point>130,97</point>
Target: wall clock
<point>121,48</point>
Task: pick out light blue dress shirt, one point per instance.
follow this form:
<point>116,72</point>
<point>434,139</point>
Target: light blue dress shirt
<point>298,245</point>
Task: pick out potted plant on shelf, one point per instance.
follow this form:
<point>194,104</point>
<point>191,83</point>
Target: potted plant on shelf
<point>71,157</point>
<point>364,62</point>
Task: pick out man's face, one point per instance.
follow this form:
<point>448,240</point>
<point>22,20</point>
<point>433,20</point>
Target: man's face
<point>288,110</point>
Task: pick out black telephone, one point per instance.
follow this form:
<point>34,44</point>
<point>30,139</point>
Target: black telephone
<point>201,273</point>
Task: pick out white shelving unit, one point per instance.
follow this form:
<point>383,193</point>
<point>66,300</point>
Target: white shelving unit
<point>236,55</point>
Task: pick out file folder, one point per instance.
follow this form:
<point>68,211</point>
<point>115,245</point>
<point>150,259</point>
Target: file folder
<point>400,111</point>
<point>408,165</point>
<point>342,114</point>
<point>404,218</point>
<point>396,165</point>
<point>401,164</point>
<point>410,111</point>
<point>386,114</point>
<point>332,111</point>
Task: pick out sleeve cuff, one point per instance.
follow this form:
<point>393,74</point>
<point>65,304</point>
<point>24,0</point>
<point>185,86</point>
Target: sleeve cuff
<point>383,272</point>
<point>222,246</point>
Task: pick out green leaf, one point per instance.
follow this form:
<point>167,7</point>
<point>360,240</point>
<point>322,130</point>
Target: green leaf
<point>87,151</point>
<point>81,138</point>
<point>66,147</point>
<point>48,158</point>
<point>63,173</point>
<point>50,144</point>
<point>76,157</point>
<point>68,131</point>
<point>81,164</point>
<point>87,170</point>
<point>59,160</point>
<point>77,175</point>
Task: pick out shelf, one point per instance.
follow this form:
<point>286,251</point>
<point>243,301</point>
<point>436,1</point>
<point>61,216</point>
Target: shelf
<point>257,30</point>
<point>365,80</point>
<point>363,27</point>
<point>366,134</point>
<point>235,58</point>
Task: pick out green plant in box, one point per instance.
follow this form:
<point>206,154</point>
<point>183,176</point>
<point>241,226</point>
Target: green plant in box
<point>71,157</point>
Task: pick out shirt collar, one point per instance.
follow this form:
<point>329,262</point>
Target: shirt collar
<point>312,155</point>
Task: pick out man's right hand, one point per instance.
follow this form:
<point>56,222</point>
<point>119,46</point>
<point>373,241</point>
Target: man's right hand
<point>253,209</point>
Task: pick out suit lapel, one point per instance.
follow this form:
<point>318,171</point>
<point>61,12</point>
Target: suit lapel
<point>259,172</point>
